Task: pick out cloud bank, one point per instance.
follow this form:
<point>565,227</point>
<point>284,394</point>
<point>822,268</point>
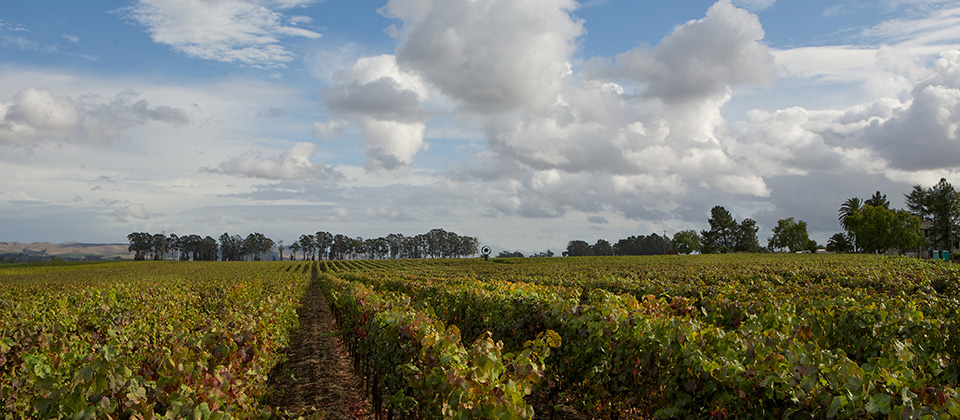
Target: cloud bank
<point>641,135</point>
<point>488,117</point>
<point>37,115</point>
<point>293,164</point>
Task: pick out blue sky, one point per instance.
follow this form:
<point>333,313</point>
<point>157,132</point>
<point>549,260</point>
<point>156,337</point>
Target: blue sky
<point>526,123</point>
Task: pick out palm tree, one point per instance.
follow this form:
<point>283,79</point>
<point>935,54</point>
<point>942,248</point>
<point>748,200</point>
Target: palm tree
<point>849,208</point>
<point>839,243</point>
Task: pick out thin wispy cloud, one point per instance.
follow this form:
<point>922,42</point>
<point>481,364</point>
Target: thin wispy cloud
<point>755,5</point>
<point>233,31</point>
<point>940,27</point>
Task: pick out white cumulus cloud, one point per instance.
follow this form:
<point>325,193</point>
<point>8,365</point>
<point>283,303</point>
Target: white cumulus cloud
<point>36,115</point>
<point>700,59</point>
<point>643,133</point>
<point>391,144</point>
<point>293,164</point>
<point>384,102</point>
<point>926,134</point>
<point>490,56</point>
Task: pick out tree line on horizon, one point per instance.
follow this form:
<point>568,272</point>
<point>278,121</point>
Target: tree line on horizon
<point>725,235</point>
<point>932,219</point>
<point>869,226</point>
<point>436,243</point>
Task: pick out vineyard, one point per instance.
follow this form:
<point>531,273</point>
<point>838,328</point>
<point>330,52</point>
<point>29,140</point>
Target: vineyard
<point>761,336</point>
<point>164,340</point>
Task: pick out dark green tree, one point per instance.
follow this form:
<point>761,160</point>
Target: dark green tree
<point>879,229</point>
<point>746,236</point>
<point>918,202</point>
<point>906,233</point>
<point>294,248</point>
<point>395,241</point>
<point>643,245</point>
<point>323,241</point>
<point>878,200</point>
<point>206,249</point>
<point>722,236</point>
<point>173,245</point>
<point>790,234</point>
<point>141,243</point>
<point>308,245</point>
<point>356,247</point>
<point>602,248</point>
<point>193,247</point>
<point>547,254</point>
<point>160,247</point>
<point>686,242</point>
<point>579,249</point>
<point>940,206</point>
<point>340,246</point>
<point>468,246</point>
<point>840,242</point>
<point>369,249</point>
<point>847,211</point>
<point>257,247</point>
<point>231,247</point>
<point>381,248</point>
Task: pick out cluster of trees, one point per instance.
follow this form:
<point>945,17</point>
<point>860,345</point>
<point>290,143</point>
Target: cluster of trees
<point>27,256</point>
<point>726,235</point>
<point>633,245</point>
<point>160,247</point>
<point>687,242</point>
<point>791,235</point>
<point>437,243</point>
<point>256,247</point>
<point>872,226</point>
<point>547,254</point>
<point>940,206</point>
<point>583,249</point>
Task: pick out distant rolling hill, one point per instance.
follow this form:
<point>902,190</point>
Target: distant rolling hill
<point>106,251</point>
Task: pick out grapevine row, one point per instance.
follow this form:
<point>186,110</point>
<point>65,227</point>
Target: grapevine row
<point>416,365</point>
<point>837,355</point>
<point>151,340</point>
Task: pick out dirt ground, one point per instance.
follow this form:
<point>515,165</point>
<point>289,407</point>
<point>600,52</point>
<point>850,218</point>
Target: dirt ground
<point>318,373</point>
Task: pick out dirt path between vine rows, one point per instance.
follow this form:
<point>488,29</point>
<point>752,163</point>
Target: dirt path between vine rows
<point>318,372</point>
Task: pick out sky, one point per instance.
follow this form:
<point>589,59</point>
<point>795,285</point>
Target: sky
<point>525,123</point>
